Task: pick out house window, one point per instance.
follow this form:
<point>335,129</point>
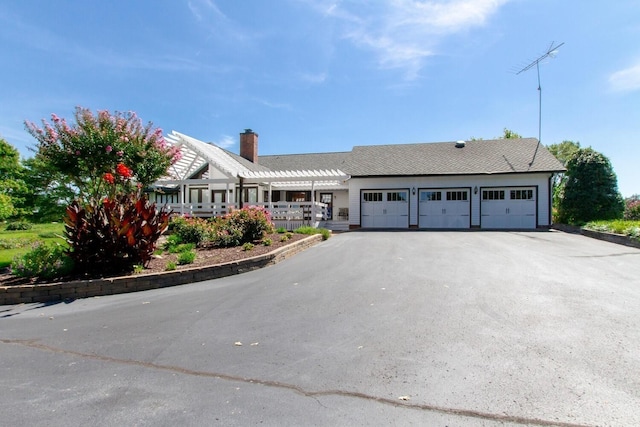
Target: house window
<point>162,198</point>
<point>298,196</point>
<point>400,196</point>
<point>250,195</point>
<point>457,195</point>
<point>275,196</point>
<point>521,194</point>
<point>427,196</point>
<point>372,197</point>
<point>492,194</point>
<point>219,196</point>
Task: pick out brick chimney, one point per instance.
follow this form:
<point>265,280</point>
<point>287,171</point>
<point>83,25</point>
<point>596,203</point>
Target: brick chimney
<point>249,145</point>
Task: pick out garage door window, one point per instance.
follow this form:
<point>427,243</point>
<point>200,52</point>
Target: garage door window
<point>400,196</point>
<point>372,197</point>
<point>456,195</point>
<point>521,194</point>
<point>492,194</point>
<point>427,196</point>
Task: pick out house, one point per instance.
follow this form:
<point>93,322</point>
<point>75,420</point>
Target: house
<point>490,184</point>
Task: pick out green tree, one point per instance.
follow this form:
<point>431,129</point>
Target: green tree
<point>12,187</point>
<point>563,151</point>
<point>509,134</point>
<point>50,191</point>
<point>103,150</point>
<point>590,190</point>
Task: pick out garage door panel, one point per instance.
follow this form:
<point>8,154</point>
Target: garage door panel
<point>508,208</point>
<point>385,208</point>
<point>444,208</point>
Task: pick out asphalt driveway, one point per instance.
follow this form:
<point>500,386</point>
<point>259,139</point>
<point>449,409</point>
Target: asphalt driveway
<point>367,328</point>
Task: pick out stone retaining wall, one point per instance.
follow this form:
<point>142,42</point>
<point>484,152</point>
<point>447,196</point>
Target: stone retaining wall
<point>608,237</point>
<point>141,282</point>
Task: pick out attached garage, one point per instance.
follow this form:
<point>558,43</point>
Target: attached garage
<point>444,208</point>
<point>385,208</point>
<point>508,208</point>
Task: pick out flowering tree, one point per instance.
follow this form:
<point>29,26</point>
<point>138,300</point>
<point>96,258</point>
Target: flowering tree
<point>97,149</point>
<point>109,158</point>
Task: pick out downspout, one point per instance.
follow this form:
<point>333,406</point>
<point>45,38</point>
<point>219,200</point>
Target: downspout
<point>241,193</point>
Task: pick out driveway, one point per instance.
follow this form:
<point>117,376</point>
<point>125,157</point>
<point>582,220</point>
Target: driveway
<point>367,328</point>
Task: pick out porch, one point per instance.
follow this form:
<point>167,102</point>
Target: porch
<point>283,214</point>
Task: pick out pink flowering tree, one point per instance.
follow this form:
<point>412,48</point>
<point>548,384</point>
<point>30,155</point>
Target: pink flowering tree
<point>110,159</point>
<point>90,150</point>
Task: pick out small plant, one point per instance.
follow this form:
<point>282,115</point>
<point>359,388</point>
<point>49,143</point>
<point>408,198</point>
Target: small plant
<point>18,225</point>
<point>281,230</point>
<point>284,238</point>
<point>172,241</point>
<point>170,266</point>
<point>311,230</point>
<point>267,242</point>
<point>186,257</point>
<point>138,268</point>
<point>248,246</point>
<point>43,261</point>
<point>15,243</point>
<point>182,247</point>
<point>288,235</point>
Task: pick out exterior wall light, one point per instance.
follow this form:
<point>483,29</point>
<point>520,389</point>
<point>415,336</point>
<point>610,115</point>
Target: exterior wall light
<point>413,191</point>
<point>475,190</point>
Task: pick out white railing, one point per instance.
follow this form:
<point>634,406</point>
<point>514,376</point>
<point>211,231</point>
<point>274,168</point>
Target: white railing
<point>289,215</point>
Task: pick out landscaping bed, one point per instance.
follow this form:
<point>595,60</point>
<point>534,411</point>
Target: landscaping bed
<point>204,257</point>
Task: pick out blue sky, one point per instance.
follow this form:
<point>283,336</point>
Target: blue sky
<point>319,76</point>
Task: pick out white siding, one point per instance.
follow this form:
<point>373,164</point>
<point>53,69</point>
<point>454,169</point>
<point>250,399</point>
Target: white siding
<point>539,180</point>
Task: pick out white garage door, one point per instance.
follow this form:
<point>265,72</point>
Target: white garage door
<point>385,208</point>
<point>444,208</point>
<point>508,207</point>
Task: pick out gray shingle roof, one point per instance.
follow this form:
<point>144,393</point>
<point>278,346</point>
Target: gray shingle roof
<point>315,161</point>
<point>444,158</point>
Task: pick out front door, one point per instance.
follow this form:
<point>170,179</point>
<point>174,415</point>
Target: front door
<point>327,199</point>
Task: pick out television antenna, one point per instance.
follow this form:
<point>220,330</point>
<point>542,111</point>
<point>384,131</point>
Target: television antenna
<point>551,52</point>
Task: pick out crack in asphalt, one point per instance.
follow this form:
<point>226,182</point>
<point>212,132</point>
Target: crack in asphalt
<point>297,389</point>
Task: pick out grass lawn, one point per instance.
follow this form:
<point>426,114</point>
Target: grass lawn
<point>18,242</point>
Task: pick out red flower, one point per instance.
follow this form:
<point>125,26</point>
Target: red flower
<point>124,171</point>
<point>109,178</point>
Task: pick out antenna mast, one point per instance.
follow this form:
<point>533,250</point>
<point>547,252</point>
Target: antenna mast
<point>550,53</point>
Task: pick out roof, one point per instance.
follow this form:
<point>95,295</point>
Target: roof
<point>479,157</point>
<point>306,161</point>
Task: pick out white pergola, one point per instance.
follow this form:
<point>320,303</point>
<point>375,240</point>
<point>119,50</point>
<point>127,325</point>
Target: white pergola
<point>225,169</point>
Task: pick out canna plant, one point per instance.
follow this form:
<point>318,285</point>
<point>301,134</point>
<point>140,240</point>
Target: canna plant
<point>113,235</point>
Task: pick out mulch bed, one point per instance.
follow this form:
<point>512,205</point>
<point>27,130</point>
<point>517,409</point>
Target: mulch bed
<point>204,258</point>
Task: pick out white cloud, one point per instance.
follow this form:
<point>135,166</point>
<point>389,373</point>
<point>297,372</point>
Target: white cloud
<point>404,33</point>
<point>225,142</point>
<point>626,80</point>
<point>314,78</point>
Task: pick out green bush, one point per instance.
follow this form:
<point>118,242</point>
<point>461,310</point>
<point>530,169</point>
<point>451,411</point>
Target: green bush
<point>311,230</point>
<point>254,222</point>
<point>281,230</point>
<point>248,246</point>
<point>18,225</point>
<point>43,261</point>
<point>267,242</point>
<point>284,238</point>
<point>15,243</point>
<point>226,234</point>
<point>186,257</point>
<point>191,230</point>
<point>171,266</point>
